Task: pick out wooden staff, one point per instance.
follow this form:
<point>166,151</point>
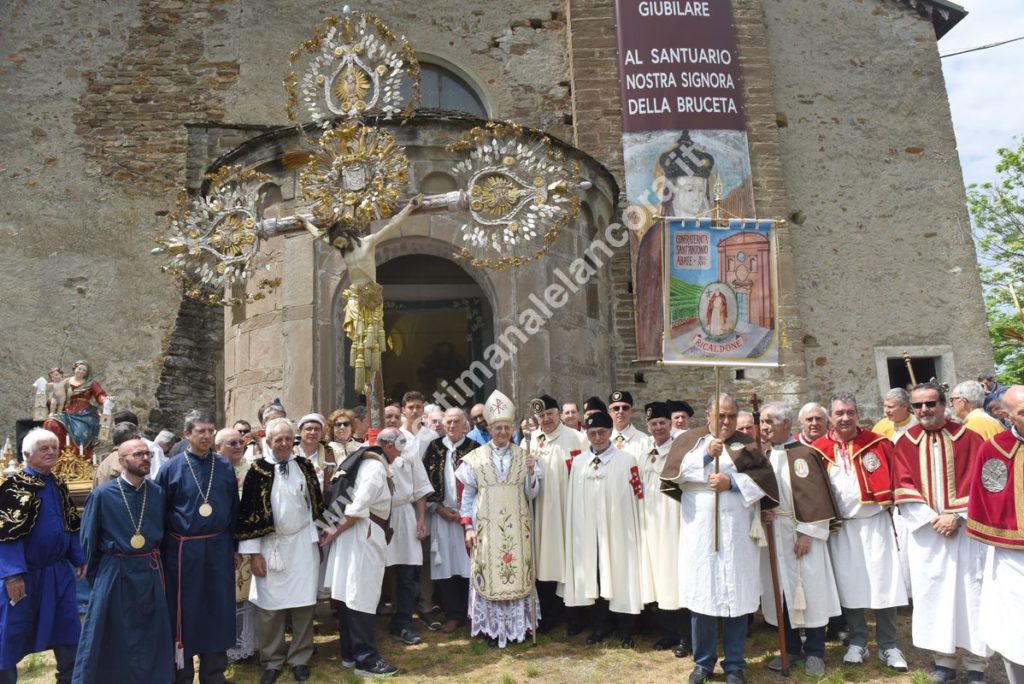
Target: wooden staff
<point>910,369</point>
<point>717,431</point>
<point>773,563</point>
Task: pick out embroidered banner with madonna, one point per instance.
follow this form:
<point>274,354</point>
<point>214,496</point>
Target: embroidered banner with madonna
<point>720,280</point>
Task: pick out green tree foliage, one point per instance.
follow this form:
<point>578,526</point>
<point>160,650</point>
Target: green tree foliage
<point>997,209</point>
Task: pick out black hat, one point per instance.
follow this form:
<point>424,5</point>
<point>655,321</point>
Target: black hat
<point>657,409</point>
<point>594,404</point>
<point>618,396</point>
<point>598,420</point>
<point>542,404</point>
<point>675,406</point>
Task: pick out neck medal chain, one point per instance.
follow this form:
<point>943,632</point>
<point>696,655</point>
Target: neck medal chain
<point>137,541</point>
<point>205,509</point>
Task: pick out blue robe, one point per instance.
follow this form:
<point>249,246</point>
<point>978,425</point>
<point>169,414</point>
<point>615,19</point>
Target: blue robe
<point>208,565</point>
<point>126,636</point>
<point>46,556</point>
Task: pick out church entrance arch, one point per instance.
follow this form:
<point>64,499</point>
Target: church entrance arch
<point>437,321</point>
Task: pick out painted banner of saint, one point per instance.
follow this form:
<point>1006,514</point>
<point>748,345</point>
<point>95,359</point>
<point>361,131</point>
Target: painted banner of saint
<point>676,174</point>
<point>721,286</point>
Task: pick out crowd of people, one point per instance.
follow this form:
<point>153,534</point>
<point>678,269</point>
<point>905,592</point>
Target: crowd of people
<point>221,545</point>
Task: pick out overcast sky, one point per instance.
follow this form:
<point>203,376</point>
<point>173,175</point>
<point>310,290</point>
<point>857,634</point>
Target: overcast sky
<point>985,91</point>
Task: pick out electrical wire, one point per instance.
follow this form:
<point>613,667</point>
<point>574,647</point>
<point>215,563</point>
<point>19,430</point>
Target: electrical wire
<point>981,47</point>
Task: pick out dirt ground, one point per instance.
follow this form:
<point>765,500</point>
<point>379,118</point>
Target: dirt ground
<point>556,658</point>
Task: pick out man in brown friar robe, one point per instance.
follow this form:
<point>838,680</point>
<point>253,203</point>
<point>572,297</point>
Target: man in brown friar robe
<point>802,520</point>
<point>704,465</point>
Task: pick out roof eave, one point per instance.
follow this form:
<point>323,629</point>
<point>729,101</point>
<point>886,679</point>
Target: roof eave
<point>943,14</point>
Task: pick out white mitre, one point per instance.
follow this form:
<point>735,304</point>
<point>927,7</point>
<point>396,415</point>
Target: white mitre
<point>499,408</point>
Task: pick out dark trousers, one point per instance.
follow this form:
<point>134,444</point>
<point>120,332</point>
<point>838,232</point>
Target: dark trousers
<point>575,619</point>
<point>211,669</point>
<point>836,624</point>
<point>65,657</point>
<point>358,643</point>
<point>454,595</point>
<point>552,608</point>
<point>674,625</point>
<point>814,645</point>
<point>601,619</point>
<point>407,585</point>
<point>705,641</point>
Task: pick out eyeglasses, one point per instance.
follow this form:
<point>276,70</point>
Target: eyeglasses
<point>923,404</point>
<point>343,423</point>
<point>621,407</point>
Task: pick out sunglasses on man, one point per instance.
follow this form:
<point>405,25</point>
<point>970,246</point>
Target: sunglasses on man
<point>923,404</point>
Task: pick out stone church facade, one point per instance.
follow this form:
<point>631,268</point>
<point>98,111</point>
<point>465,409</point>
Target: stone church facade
<point>113,106</point>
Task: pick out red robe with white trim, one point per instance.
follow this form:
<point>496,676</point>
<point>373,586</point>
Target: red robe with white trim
<point>997,517</point>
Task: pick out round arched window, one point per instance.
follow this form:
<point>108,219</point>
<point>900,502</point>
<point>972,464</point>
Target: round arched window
<point>442,88</point>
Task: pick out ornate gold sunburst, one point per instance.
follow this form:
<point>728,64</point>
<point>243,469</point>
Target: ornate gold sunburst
<point>211,241</point>
<point>351,87</point>
<point>355,176</point>
<point>522,193</point>
<point>353,66</point>
<point>494,195</point>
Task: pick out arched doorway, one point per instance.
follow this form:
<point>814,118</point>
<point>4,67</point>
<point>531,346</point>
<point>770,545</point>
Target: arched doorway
<point>437,319</point>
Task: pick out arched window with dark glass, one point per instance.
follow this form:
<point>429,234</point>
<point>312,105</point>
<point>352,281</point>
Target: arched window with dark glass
<point>442,88</point>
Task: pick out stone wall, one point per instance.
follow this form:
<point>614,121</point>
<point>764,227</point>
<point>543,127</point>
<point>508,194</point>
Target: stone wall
<point>881,236</point>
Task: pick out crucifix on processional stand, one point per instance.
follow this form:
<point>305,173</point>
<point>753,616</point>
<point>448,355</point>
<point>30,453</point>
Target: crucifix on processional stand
<point>517,191</point>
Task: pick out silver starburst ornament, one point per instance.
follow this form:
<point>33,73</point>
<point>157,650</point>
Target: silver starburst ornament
<point>521,194</point>
<point>211,242</point>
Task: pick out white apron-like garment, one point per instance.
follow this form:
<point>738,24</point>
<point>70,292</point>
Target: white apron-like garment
<point>291,552</point>
<point>864,555</point>
<point>812,572</point>
<point>355,562</point>
<point>726,583</point>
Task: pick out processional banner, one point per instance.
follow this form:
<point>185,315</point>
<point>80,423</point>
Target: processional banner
<point>684,137</point>
<point>721,285</point>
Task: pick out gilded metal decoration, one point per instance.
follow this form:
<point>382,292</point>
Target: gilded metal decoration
<point>352,67</point>
<point>354,177</point>
<point>211,241</point>
<point>521,194</point>
<point>994,475</point>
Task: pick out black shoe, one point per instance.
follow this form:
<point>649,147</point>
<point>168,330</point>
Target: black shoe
<point>699,675</point>
<point>663,644</point>
<point>270,676</point>
<point>381,668</point>
<point>682,650</point>
<point>301,673</point>
<point>596,637</point>
<point>407,636</point>
<point>627,642</point>
<point>573,630</point>
<point>735,677</point>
